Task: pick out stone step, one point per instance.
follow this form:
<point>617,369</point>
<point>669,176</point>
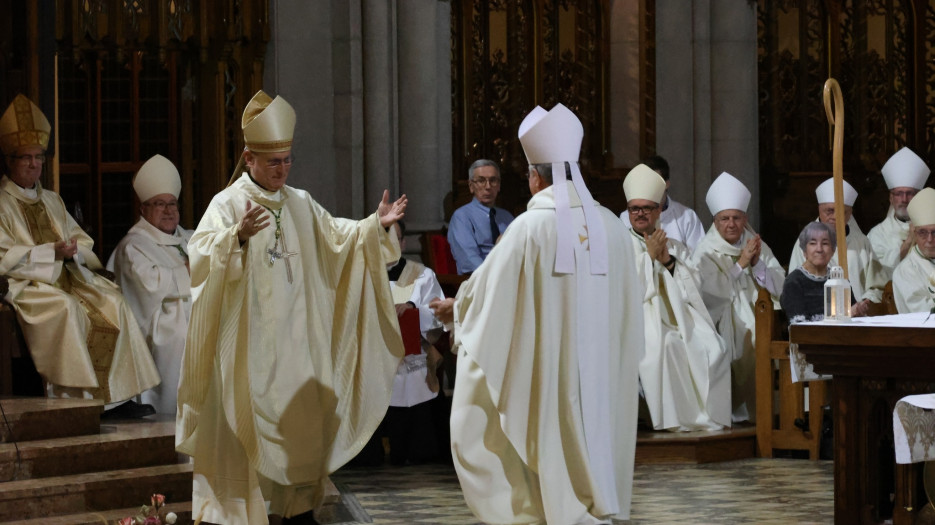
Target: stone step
<point>97,491</point>
<point>142,443</point>
<point>32,418</point>
<point>182,510</point>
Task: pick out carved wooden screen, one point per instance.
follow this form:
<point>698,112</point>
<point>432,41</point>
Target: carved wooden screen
<point>881,52</point>
<point>508,56</point>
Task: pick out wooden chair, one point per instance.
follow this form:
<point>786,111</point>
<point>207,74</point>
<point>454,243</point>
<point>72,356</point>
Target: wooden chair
<point>779,401</point>
<point>889,301</point>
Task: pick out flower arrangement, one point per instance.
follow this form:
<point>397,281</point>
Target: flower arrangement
<point>150,515</point>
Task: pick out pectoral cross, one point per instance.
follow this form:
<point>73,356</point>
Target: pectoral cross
<point>274,252</point>
<point>284,255</point>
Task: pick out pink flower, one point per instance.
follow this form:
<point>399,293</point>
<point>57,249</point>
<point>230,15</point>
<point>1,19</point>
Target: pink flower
<point>126,521</point>
<point>158,500</point>
<point>152,520</point>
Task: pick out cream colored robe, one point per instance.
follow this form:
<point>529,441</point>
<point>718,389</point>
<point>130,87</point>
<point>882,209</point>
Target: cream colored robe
<point>149,266</point>
<point>866,274</point>
<point>685,372</point>
<point>730,294</point>
<point>911,282</point>
<point>282,383</point>
<point>886,238</point>
<point>543,418</point>
<point>56,323</point>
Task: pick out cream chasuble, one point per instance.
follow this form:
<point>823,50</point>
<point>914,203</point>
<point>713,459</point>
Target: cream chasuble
<point>543,418</point>
<point>911,282</point>
<point>283,382</point>
<point>417,284</point>
<point>886,238</point>
<point>730,294</point>
<point>685,372</point>
<point>867,276</point>
<point>149,266</point>
<point>81,334</point>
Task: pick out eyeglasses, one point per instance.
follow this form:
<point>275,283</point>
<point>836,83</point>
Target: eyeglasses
<point>644,210</point>
<point>905,194</point>
<point>925,234</point>
<point>162,205</point>
<point>275,163</point>
<point>483,181</point>
<point>27,159</point>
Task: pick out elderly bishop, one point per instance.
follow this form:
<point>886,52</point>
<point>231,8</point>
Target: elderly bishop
<point>293,343</point>
<point>685,372</point>
<point>151,266</point>
<point>914,277</point>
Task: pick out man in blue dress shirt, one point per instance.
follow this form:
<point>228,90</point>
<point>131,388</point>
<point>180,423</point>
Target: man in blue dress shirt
<point>475,227</point>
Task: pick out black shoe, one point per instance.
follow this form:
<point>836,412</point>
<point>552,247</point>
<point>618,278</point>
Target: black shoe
<point>306,518</point>
<point>129,410</point>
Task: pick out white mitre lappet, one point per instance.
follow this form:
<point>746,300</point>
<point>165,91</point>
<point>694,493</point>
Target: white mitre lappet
<point>23,124</point>
<point>157,176</point>
<point>644,183</point>
<point>825,192</point>
<point>727,193</point>
<point>922,208</point>
<point>905,169</point>
<point>554,137</point>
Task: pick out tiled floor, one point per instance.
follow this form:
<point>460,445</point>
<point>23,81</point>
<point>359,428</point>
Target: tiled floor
<point>762,491</point>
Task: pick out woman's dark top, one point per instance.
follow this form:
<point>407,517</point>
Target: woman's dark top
<point>803,296</point>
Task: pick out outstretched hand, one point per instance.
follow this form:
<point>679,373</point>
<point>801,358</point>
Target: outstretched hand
<point>444,309</point>
<point>253,220</point>
<point>390,213</point>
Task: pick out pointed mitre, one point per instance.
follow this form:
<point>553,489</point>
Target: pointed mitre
<point>727,193</point>
<point>157,176</point>
<point>551,136</point>
<point>922,208</point>
<point>825,192</point>
<point>644,183</point>
<point>905,169</point>
<point>23,124</point>
<point>268,124</point>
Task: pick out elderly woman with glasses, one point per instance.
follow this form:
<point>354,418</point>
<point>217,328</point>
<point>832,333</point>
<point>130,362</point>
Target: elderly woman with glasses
<point>804,288</point>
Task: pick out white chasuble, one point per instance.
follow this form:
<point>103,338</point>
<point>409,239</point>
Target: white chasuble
<point>866,275</point>
<point>81,335</point>
<point>911,282</point>
<point>291,352</point>
<point>686,370</point>
<point>886,238</point>
<point>543,421</point>
<point>150,267</point>
<point>730,292</point>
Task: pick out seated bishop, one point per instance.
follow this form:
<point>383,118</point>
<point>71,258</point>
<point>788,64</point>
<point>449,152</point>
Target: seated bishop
<point>151,267</point>
<point>685,372</point>
<point>914,277</point>
<point>81,334</point>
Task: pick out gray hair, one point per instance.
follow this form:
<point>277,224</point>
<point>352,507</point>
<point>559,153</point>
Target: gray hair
<point>545,171</point>
<point>813,230</point>
<point>480,163</point>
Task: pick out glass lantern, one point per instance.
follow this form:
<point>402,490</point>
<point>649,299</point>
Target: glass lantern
<point>837,296</point>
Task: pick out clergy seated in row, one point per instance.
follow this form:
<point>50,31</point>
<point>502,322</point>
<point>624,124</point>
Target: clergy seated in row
<point>680,222</point>
<point>475,227</point>
<point>293,342</point>
<point>914,277</point>
<point>151,266</point>
<point>549,334</point>
<point>80,332</point>
<point>867,276</point>
<point>803,292</point>
<point>733,263</point>
<point>905,174</point>
<point>685,371</point>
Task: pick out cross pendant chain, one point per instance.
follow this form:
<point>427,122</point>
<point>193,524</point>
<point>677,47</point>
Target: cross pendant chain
<point>279,250</point>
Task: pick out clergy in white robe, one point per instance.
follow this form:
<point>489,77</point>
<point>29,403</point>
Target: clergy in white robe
<point>866,274</point>
<point>549,334</point>
<point>151,266</point>
<point>293,342</point>
<point>914,277</point>
<point>905,174</point>
<point>680,222</point>
<point>685,372</point>
<point>81,335</point>
<point>734,263</point>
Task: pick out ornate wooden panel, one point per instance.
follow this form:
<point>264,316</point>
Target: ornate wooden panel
<point>882,54</point>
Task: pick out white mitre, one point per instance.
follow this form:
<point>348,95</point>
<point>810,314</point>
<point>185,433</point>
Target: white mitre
<point>727,193</point>
<point>268,124</point>
<point>825,192</point>
<point>905,169</point>
<point>922,208</point>
<point>644,183</point>
<point>157,176</point>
